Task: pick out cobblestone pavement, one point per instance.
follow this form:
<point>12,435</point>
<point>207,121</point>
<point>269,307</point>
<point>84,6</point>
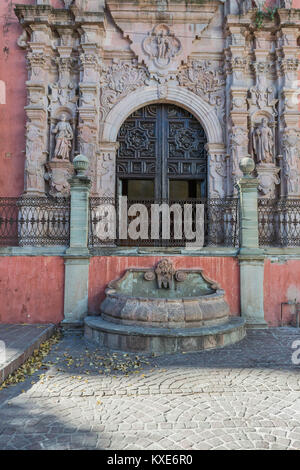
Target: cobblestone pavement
<point>244,396</point>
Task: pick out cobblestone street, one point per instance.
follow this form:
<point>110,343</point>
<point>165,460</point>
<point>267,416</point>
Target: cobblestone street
<point>245,396</point>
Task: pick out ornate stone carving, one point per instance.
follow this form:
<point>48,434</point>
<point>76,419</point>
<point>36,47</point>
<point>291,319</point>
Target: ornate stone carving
<point>37,61</point>
<point>267,175</point>
<point>204,80</point>
<point>161,46</point>
<point>239,144</point>
<point>291,147</point>
<point>165,274</point>
<point>64,138</point>
<point>57,175</point>
<point>34,177</point>
<point>217,172</point>
<point>105,171</point>
<point>263,142</point>
<point>117,81</point>
<point>23,40</point>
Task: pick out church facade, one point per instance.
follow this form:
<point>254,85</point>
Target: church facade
<point>164,99</point>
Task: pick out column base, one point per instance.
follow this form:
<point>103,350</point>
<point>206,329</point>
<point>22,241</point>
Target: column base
<point>256,325</point>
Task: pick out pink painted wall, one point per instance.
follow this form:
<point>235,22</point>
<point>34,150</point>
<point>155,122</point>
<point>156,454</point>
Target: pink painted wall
<point>31,289</point>
<point>223,270</point>
<point>281,284</point>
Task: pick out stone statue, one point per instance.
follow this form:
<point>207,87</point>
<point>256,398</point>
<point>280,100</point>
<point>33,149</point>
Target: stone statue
<point>263,143</point>
<point>64,139</point>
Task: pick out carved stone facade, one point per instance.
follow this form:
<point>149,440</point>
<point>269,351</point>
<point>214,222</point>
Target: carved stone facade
<point>91,65</point>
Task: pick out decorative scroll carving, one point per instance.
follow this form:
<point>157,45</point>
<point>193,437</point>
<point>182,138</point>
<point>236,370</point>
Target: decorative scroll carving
<point>64,139</point>
<point>161,46</point>
<point>204,81</point>
<point>23,40</point>
<point>118,80</point>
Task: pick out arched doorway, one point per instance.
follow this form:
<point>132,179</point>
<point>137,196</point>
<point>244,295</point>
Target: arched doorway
<point>161,155</point>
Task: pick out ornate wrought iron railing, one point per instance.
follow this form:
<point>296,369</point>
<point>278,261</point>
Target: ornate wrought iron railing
<point>279,222</point>
<point>34,221</point>
<point>109,222</point>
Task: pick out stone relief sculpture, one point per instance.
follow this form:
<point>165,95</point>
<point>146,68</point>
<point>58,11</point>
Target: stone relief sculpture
<point>161,45</point>
<point>165,274</point>
<point>239,144</point>
<point>64,137</point>
<point>263,143</point>
<point>290,144</point>
<point>118,80</point>
<point>57,178</point>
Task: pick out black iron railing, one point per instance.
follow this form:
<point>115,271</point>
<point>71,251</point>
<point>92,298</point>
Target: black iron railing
<point>279,222</point>
<point>218,217</point>
<point>34,221</point>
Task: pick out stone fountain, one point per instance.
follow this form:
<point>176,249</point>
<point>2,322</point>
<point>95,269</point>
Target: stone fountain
<point>164,310</point>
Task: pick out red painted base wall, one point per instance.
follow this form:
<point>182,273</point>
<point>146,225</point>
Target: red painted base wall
<point>281,284</point>
<point>223,270</point>
<point>31,289</point>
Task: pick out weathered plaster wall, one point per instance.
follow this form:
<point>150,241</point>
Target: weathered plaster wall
<point>31,289</point>
<point>281,284</point>
<point>224,270</point>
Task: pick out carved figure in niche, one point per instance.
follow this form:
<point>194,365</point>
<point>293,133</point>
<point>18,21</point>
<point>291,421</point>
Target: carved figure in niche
<point>263,142</point>
<point>165,273</point>
<point>163,45</point>
<point>64,139</point>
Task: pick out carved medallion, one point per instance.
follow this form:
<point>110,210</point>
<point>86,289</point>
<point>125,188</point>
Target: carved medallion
<point>161,46</point>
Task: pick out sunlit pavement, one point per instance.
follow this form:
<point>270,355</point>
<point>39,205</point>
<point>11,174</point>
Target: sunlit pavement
<point>244,396</point>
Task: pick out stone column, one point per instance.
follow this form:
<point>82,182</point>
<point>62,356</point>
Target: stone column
<point>39,57</point>
<point>251,258</point>
<point>89,109</point>
<point>77,256</point>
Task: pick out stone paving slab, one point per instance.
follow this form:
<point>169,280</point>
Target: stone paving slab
<point>20,341</point>
<point>245,396</point>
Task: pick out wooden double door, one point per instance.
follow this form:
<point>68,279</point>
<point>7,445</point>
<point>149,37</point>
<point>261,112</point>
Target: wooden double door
<point>162,155</point>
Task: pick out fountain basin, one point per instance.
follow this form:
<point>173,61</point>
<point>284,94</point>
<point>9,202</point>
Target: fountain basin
<point>162,310</point>
<point>192,302</point>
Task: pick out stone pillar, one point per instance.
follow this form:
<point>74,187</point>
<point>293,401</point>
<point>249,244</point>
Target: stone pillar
<point>77,256</point>
<point>251,258</point>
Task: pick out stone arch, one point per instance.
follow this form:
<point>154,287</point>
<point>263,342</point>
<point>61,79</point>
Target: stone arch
<point>173,94</point>
<point>177,95</point>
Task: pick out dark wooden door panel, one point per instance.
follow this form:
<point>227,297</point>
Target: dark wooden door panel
<point>164,142</point>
